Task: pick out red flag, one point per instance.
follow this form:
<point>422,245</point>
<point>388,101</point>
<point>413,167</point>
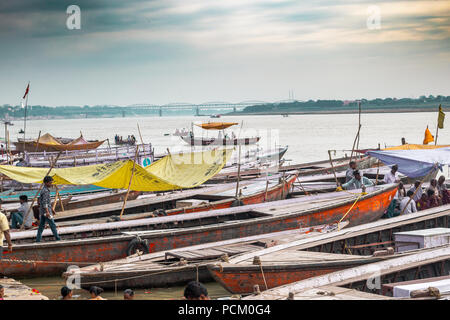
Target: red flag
<point>26,91</point>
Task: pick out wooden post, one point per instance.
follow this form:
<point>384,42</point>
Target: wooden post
<point>129,184</point>
<point>332,167</point>
<point>378,171</point>
<point>239,172</point>
<point>142,140</point>
<point>359,122</point>
<point>56,198</point>
<point>37,193</point>
<point>354,142</point>
<point>37,143</point>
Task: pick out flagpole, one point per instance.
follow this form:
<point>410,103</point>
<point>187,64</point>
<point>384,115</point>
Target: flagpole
<point>25,117</point>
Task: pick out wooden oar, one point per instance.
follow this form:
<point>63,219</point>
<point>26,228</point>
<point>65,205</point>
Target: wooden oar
<point>22,227</point>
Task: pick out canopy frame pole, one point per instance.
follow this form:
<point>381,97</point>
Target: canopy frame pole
<point>129,184</point>
<point>22,227</point>
<point>332,167</point>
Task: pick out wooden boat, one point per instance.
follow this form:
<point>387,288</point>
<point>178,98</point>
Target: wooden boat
<point>306,169</point>
<point>105,242</point>
<point>179,266</point>
<point>89,157</point>
<point>240,275</point>
<point>280,268</point>
<point>13,196</point>
<point>251,193</point>
<point>100,199</point>
<point>418,264</point>
<point>193,141</point>
<point>48,143</point>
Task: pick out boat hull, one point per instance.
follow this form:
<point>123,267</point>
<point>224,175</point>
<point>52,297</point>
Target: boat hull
<point>242,280</point>
<point>220,142</point>
<point>54,257</point>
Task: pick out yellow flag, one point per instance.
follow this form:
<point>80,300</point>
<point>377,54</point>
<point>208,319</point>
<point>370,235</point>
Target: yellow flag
<point>441,118</point>
<point>428,136</point>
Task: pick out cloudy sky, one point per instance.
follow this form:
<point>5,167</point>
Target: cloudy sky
<point>162,51</point>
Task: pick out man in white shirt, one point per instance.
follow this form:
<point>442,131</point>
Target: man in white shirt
<point>408,205</point>
<point>392,176</point>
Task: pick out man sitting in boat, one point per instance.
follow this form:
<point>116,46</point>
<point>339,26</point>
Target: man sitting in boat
<point>408,205</point>
<point>392,176</point>
<point>357,182</point>
<point>349,172</point>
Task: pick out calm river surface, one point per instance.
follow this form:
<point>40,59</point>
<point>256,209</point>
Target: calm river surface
<point>308,137</point>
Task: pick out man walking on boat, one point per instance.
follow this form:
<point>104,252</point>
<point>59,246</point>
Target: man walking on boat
<point>46,210</point>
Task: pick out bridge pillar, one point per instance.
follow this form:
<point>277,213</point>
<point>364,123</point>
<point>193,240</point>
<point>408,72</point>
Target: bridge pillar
<point>160,112</point>
<point>234,109</point>
<point>197,111</point>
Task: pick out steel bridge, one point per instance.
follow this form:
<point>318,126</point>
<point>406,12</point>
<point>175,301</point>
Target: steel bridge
<point>197,108</point>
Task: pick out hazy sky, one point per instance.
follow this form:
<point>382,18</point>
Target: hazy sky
<point>164,51</point>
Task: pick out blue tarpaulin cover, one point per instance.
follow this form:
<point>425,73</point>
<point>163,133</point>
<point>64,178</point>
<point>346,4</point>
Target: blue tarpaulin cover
<point>414,163</point>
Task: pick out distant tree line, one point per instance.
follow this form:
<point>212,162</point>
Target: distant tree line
<point>311,105</point>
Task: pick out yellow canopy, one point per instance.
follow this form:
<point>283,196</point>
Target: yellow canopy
<point>49,139</point>
<point>216,125</point>
<point>417,147</point>
<point>179,171</point>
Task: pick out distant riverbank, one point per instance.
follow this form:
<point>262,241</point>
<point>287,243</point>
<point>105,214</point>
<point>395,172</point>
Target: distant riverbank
<point>381,110</point>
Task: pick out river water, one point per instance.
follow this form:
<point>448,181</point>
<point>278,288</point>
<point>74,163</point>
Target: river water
<point>308,137</point>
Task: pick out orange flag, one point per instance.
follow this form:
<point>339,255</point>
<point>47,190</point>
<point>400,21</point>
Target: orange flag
<point>428,136</point>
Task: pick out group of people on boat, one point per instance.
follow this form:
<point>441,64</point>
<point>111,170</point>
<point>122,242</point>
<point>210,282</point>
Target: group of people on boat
<point>417,199</point>
<point>131,139</point>
<point>404,202</point>
<point>181,133</point>
<point>226,136</point>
